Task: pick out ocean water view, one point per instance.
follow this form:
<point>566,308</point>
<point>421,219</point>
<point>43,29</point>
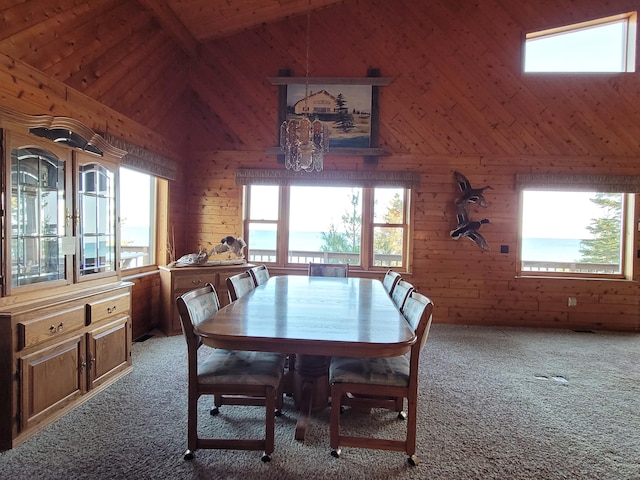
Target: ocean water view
<point>266,240</point>
<point>551,249</point>
<point>533,249</point>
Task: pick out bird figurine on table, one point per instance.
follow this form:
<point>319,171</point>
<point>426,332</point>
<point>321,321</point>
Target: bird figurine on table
<point>192,259</point>
<point>220,248</point>
<point>235,244</point>
<point>469,194</point>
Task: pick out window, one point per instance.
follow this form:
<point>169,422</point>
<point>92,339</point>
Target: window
<point>289,225</point>
<point>137,218</point>
<point>603,45</point>
<point>573,233</point>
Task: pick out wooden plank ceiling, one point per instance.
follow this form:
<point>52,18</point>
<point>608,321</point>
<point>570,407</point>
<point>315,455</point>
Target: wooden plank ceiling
<point>196,71</point>
<point>207,20</point>
<point>130,54</point>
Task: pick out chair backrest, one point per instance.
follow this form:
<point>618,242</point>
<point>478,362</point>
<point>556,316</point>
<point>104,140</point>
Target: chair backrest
<point>418,310</point>
<point>260,274</point>
<point>400,293</point>
<point>239,285</point>
<point>329,270</point>
<point>195,306</point>
<point>389,281</point>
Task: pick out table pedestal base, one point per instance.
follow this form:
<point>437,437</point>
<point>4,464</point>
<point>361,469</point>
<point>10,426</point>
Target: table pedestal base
<point>310,389</point>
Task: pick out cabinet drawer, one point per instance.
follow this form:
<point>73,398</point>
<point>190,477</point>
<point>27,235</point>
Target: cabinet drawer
<point>38,330</point>
<point>107,307</point>
<point>189,282</point>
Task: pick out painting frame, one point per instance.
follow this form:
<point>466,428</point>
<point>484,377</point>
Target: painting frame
<point>359,139</point>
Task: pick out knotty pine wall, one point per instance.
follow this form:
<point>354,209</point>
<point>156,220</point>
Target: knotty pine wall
<point>458,100</point>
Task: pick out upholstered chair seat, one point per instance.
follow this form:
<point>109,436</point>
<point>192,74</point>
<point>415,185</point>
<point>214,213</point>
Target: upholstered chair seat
<point>241,367</point>
<point>392,371</point>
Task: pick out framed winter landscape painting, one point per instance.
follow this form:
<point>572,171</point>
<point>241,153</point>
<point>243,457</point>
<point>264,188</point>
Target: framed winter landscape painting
<point>347,106</point>
<point>345,109</point>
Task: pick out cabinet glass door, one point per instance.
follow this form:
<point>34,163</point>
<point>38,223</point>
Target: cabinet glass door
<point>97,214</point>
<point>38,211</point>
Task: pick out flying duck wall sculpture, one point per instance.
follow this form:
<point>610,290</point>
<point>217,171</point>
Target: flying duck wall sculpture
<point>466,227</point>
<point>470,194</point>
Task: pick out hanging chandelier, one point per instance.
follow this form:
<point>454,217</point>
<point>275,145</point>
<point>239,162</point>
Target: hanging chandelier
<point>304,141</point>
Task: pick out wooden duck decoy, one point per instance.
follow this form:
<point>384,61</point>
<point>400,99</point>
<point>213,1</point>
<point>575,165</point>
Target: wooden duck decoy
<point>470,194</point>
<point>469,229</point>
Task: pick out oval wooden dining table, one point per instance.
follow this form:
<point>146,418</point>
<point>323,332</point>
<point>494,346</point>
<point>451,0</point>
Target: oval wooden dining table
<point>312,316</point>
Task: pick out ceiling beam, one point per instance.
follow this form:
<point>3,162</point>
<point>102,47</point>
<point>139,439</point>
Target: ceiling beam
<point>168,20</point>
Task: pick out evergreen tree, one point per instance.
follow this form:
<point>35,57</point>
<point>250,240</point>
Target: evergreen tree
<point>334,241</point>
<point>353,224</point>
<point>345,119</point>
<point>604,247</point>
<point>349,240</point>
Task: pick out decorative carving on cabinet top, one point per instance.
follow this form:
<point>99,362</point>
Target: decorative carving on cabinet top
<point>77,134</point>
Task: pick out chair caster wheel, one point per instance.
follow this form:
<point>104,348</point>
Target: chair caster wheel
<point>189,455</point>
<point>278,413</point>
<point>335,453</point>
<point>214,411</point>
<point>402,416</point>
<point>265,458</point>
<point>342,409</point>
<point>413,460</point>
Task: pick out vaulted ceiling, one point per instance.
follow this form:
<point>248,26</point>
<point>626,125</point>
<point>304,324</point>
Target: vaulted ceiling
<point>193,21</point>
<point>134,56</point>
<point>196,72</point>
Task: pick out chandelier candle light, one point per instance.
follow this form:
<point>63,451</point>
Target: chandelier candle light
<point>303,141</point>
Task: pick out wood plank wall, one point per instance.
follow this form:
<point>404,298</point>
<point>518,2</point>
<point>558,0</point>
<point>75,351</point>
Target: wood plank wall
<point>458,101</point>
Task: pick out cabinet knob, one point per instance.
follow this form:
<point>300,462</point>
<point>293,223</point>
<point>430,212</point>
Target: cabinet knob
<point>53,329</point>
<point>196,282</point>
<point>111,309</point>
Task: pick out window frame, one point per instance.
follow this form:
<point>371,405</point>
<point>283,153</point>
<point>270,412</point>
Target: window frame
<point>630,19</point>
<point>367,227</point>
<point>628,186</point>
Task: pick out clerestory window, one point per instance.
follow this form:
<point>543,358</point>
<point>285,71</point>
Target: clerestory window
<point>602,45</point>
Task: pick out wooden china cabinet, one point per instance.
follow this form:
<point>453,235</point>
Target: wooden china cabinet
<point>65,326</point>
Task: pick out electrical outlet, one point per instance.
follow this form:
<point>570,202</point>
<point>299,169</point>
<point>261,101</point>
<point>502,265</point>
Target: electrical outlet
<point>572,301</point>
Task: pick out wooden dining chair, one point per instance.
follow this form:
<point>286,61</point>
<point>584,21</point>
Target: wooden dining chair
<point>233,377</point>
<point>389,281</point>
<point>260,274</point>
<point>328,270</point>
<point>378,382</point>
<point>239,285</point>
<point>400,293</point>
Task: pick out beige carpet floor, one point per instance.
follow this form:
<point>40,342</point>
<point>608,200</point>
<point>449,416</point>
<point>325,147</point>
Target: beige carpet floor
<point>495,403</point>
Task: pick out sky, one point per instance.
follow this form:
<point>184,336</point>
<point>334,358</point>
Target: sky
<point>320,208</point>
<point>572,212</point>
<point>134,186</point>
<point>595,49</point>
